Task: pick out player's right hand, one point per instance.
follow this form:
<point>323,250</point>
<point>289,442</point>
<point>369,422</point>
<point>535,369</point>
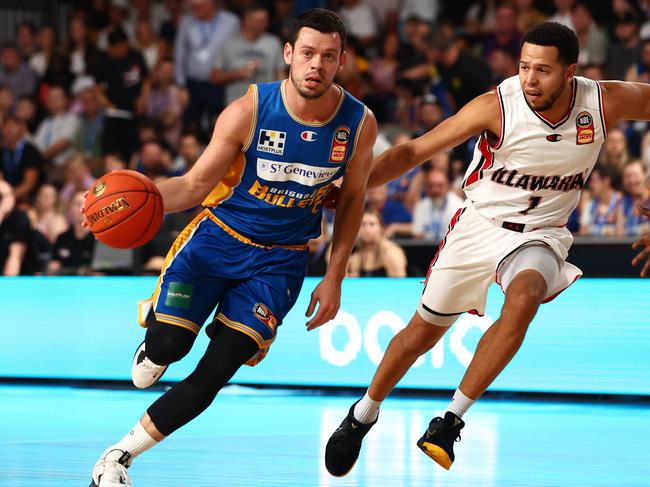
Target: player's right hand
<point>332,196</point>
<point>84,223</point>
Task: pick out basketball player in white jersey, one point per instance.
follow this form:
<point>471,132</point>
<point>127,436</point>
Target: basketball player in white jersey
<point>540,134</point>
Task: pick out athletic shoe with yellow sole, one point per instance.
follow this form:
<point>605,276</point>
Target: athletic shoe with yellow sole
<point>438,441</point>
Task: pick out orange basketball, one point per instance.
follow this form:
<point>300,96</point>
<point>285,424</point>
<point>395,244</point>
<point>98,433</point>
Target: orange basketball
<point>124,209</point>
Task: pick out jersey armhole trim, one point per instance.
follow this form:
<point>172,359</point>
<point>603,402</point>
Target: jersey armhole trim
<point>251,130</point>
<point>356,136</point>
<point>502,116</point>
<point>601,107</point>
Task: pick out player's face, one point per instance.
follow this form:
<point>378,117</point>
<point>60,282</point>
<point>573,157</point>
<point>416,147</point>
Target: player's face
<point>542,76</point>
<point>314,59</point>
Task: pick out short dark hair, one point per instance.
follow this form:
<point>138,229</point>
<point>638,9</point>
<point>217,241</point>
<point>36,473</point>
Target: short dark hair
<point>117,36</point>
<point>319,19</point>
<point>556,35</point>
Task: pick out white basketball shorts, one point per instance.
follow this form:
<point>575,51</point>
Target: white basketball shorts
<point>468,260</point>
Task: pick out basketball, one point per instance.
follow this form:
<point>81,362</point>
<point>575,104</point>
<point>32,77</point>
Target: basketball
<point>124,209</point>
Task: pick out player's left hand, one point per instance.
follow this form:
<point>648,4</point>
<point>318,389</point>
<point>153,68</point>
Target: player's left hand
<point>332,196</point>
<point>328,296</point>
<point>644,244</point>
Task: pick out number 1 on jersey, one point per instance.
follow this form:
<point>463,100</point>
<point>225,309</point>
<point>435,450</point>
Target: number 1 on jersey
<point>534,202</point>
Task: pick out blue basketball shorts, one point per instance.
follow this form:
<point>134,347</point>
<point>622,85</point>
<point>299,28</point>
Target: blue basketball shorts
<point>252,286</point>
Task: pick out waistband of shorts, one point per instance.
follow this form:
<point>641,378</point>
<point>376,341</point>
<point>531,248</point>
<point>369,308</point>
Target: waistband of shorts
<point>247,240</point>
<point>513,226</point>
<point>520,227</point>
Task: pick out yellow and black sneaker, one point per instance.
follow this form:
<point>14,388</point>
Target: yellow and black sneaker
<point>438,441</point>
<point>344,445</point>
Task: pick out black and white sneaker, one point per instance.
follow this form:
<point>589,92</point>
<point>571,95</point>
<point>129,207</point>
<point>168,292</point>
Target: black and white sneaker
<point>144,372</point>
<point>110,469</point>
<point>344,445</point>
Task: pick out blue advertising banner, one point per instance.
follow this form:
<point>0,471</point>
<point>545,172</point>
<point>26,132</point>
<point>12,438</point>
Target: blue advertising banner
<point>593,338</point>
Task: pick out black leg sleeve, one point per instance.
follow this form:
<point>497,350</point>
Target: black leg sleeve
<point>227,351</point>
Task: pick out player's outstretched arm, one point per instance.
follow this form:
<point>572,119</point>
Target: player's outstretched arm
<point>643,244</point>
<point>482,113</point>
<point>230,131</point>
<point>349,210</point>
<point>625,100</point>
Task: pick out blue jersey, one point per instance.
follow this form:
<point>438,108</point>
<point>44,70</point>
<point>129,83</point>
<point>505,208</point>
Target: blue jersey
<point>273,192</point>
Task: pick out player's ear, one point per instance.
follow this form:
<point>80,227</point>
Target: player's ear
<point>341,60</point>
<point>571,70</point>
<point>287,53</point>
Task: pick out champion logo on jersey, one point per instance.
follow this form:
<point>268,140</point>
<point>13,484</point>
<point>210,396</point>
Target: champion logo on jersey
<point>554,137</point>
<point>271,141</point>
<point>308,136</point>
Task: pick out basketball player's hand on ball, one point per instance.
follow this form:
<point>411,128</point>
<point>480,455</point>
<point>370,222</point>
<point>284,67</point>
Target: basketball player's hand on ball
<point>643,243</point>
<point>332,196</point>
<point>84,223</point>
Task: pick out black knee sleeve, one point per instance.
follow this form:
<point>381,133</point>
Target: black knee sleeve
<point>227,351</point>
<point>166,344</point>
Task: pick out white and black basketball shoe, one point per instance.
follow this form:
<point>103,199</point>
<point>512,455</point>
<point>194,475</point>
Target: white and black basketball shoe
<point>110,469</point>
<point>144,372</point>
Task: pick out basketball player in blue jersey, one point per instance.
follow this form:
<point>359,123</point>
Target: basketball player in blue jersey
<point>262,180</point>
<point>540,135</point>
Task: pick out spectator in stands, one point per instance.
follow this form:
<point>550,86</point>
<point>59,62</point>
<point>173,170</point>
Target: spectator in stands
<point>433,213</point>
<point>73,249</point>
<point>505,35</point>
<point>46,215</point>
<point>147,43</point>
<point>593,44</point>
<point>118,19</point>
<point>635,191</point>
<point>401,196</point>
<point>199,39</point>
<point>189,151</point>
<point>563,13</point>
<point>15,73</point>
<point>164,102</point>
<point>22,164</point>
<point>113,162</point>
<point>252,56</point>
<point>601,213</point>
<point>174,10</point>
<point>527,15</point>
<point>640,72</point>
<point>503,65</point>
<point>81,51</point>
<point>77,178</point>
<point>40,60</point>
<point>626,50</point>
<point>16,238</point>
<point>7,102</point>
<point>383,68</point>
<point>593,71</point>
<point>429,114</point>
<point>88,140</point>
<point>375,255</point>
<point>463,76</point>
<point>27,111</point>
<point>56,133</point>
<point>425,10</point>
<point>151,10</point>
<point>121,74</point>
<point>360,21</point>
<point>154,161</point>
<point>26,40</point>
<point>615,152</point>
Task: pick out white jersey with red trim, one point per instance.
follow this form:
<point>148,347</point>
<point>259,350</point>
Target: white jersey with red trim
<point>534,174</point>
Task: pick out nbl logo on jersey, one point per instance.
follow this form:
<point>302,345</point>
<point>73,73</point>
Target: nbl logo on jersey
<point>584,128</point>
<point>271,141</point>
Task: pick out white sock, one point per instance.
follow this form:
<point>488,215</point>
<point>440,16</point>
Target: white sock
<point>136,442</point>
<point>459,404</point>
<point>366,410</point>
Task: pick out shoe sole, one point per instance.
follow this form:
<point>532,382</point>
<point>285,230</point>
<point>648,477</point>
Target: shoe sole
<point>436,454</point>
<point>341,474</point>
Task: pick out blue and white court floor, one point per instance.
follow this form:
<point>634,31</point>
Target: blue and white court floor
<point>51,436</point>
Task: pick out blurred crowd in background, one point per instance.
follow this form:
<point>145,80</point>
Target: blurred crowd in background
<point>138,84</point>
